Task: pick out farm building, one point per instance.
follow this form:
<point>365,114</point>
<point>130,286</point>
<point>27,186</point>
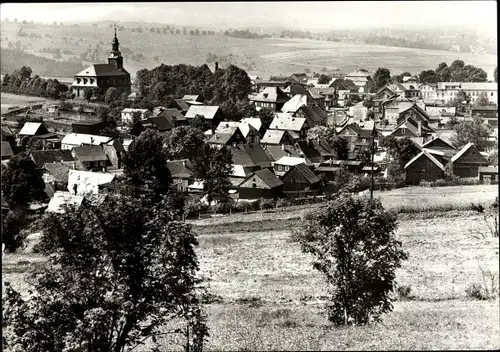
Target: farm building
<point>300,178</point>
<point>91,156</point>
<point>423,167</point>
<point>467,161</point>
<point>438,143</point>
<point>488,174</point>
<point>88,126</point>
<point>261,184</point>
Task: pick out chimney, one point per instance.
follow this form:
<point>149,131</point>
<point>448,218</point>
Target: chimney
<point>216,66</point>
<point>419,131</point>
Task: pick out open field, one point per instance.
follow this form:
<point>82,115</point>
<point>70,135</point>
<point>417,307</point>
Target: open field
<point>267,295</point>
<point>263,57</point>
<point>9,100</point>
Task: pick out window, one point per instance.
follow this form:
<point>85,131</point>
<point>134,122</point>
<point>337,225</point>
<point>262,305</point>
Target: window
<point>491,94</point>
<point>254,185</point>
<point>403,131</point>
<point>91,81</point>
<point>84,81</point>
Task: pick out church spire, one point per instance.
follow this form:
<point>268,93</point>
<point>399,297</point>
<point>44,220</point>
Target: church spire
<point>115,56</point>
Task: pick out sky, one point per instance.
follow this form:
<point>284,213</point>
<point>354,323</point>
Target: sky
<point>481,15</point>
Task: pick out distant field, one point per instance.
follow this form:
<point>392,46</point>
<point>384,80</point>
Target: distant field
<point>258,57</point>
<point>9,100</point>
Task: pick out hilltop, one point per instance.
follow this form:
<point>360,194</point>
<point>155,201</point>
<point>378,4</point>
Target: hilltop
<point>150,46</point>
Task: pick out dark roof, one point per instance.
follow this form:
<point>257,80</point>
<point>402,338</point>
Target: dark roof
<point>305,171</point>
<point>161,123</point>
<point>322,146</point>
<point>250,155</point>
<point>172,113</point>
<point>276,152</point>
<point>180,168</point>
<point>298,89</point>
<point>182,104</point>
<point>314,115</point>
<point>309,152</point>
<point>42,157</point>
<point>6,132</point>
<point>268,178</point>
<point>109,70</point>
<point>90,153</point>
<point>7,149</point>
<point>221,138</point>
<point>58,170</point>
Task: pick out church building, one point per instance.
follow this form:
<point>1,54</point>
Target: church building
<point>103,76</point>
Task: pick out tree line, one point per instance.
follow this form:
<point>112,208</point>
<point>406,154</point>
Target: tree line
<point>246,34</point>
<point>458,71</point>
<point>22,82</point>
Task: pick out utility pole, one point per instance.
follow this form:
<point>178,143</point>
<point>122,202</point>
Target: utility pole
<point>373,157</point>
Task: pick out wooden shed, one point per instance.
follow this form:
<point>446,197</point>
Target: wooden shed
<point>423,167</point>
<point>467,161</point>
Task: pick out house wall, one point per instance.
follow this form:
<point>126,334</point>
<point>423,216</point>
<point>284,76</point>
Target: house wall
<point>391,114</point>
<point>422,169</point>
<point>112,155</point>
<point>181,184</point>
<point>256,193</point>
<point>468,164</point>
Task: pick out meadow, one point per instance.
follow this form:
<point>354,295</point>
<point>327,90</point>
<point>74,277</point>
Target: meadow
<point>265,295</point>
<point>264,57</point>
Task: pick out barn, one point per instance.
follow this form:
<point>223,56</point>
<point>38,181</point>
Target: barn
<point>423,167</point>
<point>467,161</point>
<point>261,184</point>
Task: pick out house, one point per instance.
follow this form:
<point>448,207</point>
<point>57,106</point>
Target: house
<point>87,182</point>
<point>326,98</point>
<point>276,152</point>
<point>56,175</point>
<point>363,81</point>
<point>180,105</point>
<point>247,158</point>
<point>256,122</point>
<point>489,114</point>
<point>411,129</point>
<point>438,143</point>
<point>423,167</point>
<point>227,135</point>
<point>296,89</point>
<point>358,112</point>
<point>305,149</point>
<point>314,115</point>
<point>103,76</point>
<point>7,152</point>
<point>300,78</point>
<point>415,112</point>
<point>428,91</point>
<point>285,163</point>
<point>127,143</point>
<point>296,126</point>
<point>299,178</point>
<point>297,101</point>
<point>276,137</point>
<point>115,152</point>
<point>466,161</point>
<point>488,174</point>
<point>92,157</point>
<point>358,135</point>
<point>261,184</point>
<point>88,126</point>
<point>447,91</point>
<point>182,173</point>
<point>31,129</point>
<point>390,90</point>
<point>196,98</point>
<point>159,124</point>
<point>127,114</point>
<point>250,133</point>
<point>271,98</point>
<point>327,170</point>
<point>411,91</point>
<point>211,114</point>
<point>72,140</point>
<point>175,116</point>
<point>42,157</point>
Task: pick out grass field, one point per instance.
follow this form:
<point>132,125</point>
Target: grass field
<point>269,297</point>
<point>9,100</point>
<point>258,57</point>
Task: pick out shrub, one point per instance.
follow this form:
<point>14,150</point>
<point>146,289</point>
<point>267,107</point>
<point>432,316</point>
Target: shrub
<point>282,202</point>
<point>486,290</point>
<point>13,234</point>
<point>266,203</point>
<point>355,248</point>
<point>404,292</point>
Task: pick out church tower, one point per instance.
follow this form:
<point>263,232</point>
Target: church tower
<point>115,56</point>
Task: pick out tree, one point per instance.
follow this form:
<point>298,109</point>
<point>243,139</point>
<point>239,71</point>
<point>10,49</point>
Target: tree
<point>145,164</point>
<point>449,175</point>
<point>428,76</point>
<point>341,147</point>
<point>324,79</point>
<point>213,166</point>
<point>117,274</point>
<point>266,116</point>
<point>183,142</point>
<point>13,225</point>
<point>381,77</point>
<point>474,131</point>
<point>368,102</point>
<point>401,150</point>
<point>199,123</point>
<point>354,245</point>
<point>482,100</point>
<point>112,94</point>
<point>452,122</point>
<point>22,182</point>
<point>87,93</point>
<point>324,132</point>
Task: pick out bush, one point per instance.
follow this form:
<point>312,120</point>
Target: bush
<point>282,202</point>
<point>404,292</point>
<point>13,226</point>
<point>266,203</point>
<point>355,248</point>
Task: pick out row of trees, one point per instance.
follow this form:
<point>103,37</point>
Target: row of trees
<point>458,71</point>
<point>246,34</point>
<point>22,82</point>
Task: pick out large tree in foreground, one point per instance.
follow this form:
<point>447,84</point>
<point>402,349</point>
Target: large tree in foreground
<point>118,273</point>
<point>354,245</point>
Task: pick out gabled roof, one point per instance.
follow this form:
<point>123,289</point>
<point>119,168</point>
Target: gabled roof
<point>174,114</point>
<point>309,152</point>
<point>288,123</point>
<point>7,150</point>
<point>42,157</point>
<point>426,144</point>
<point>182,104</point>
<point>314,115</point>
<point>222,138</point>
<point>102,70</point>
<point>295,103</point>
<point>250,155</point>
<point>30,128</point>
<point>87,181</point>
<point>253,121</point>
<point>276,152</point>
<point>429,156</point>
<point>271,95</point>
<point>90,153</point>
<point>305,171</point>
<point>463,151</point>
<point>190,97</point>
<point>408,125</point>
<point>273,136</point>
<point>78,139</point>
<point>180,168</point>
<point>290,161</point>
<point>267,177</point>
<point>208,112</point>
<point>58,170</point>
<point>160,123</point>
